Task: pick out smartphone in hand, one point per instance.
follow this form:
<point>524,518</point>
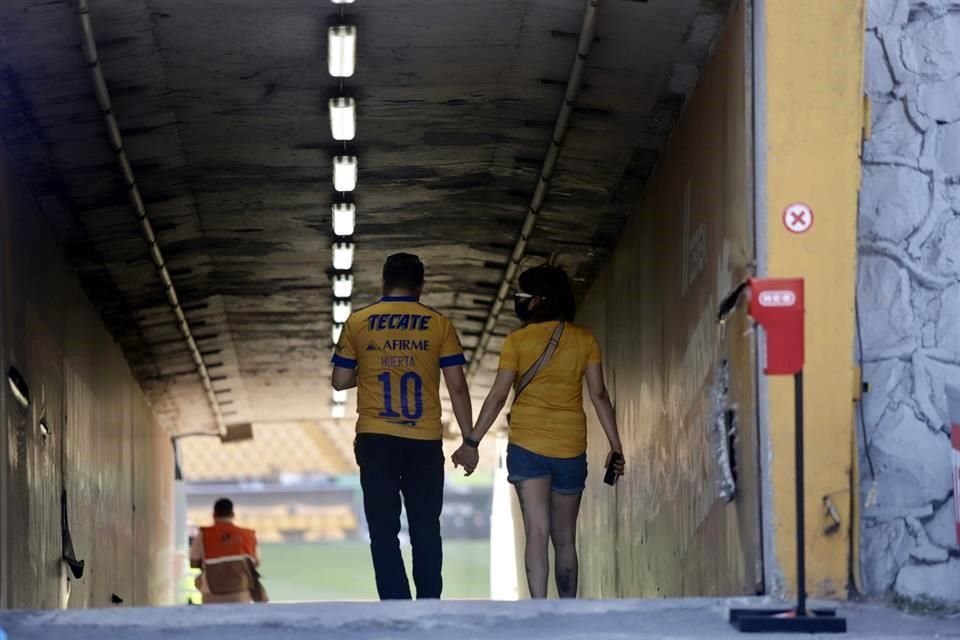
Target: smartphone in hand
<point>610,477</point>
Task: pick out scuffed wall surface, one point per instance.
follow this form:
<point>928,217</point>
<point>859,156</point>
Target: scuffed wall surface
<point>153,510</point>
<point>909,296</point>
<point>664,531</point>
<point>103,444</point>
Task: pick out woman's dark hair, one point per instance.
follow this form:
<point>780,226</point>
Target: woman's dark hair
<point>552,285</point>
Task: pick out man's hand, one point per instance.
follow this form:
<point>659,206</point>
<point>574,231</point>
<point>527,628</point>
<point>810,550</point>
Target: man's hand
<point>466,457</point>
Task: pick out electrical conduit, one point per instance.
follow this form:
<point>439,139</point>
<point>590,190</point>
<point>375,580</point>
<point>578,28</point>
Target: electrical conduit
<point>92,57</point>
<point>585,44</point>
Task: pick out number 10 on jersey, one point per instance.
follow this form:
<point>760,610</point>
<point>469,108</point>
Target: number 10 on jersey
<point>411,388</point>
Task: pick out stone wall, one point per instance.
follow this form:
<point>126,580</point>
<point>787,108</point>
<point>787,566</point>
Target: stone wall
<point>909,296</point>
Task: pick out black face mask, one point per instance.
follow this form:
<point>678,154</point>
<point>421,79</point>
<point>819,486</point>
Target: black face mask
<point>522,307</point>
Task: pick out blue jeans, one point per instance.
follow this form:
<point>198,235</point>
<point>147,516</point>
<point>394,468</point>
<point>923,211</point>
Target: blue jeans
<point>568,476</point>
<point>391,467</point>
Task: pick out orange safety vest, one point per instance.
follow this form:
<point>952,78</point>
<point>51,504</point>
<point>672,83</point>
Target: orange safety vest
<point>228,553</point>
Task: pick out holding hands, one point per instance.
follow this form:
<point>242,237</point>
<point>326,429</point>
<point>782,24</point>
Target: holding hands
<point>467,456</point>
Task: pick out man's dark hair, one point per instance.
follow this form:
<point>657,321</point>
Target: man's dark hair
<point>223,508</point>
<point>552,285</point>
<point>403,271</point>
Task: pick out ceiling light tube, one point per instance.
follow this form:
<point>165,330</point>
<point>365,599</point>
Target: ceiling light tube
<point>342,50</point>
<point>345,173</point>
<point>341,311</point>
<point>338,410</point>
<point>344,218</point>
<point>343,118</point>
<point>342,256</point>
<point>340,395</point>
<point>342,285</point>
<point>342,1</point>
<point>337,330</point>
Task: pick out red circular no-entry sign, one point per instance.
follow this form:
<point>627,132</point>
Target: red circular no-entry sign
<point>798,217</point>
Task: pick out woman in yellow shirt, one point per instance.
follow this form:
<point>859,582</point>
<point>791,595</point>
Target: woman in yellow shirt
<point>545,362</point>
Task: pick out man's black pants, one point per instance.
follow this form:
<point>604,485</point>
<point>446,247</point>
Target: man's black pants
<point>390,467</point>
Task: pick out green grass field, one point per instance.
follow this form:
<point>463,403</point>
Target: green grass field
<point>343,570</point>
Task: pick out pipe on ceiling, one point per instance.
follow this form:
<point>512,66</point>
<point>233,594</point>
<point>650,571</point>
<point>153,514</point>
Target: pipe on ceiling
<point>92,57</point>
<point>585,44</point>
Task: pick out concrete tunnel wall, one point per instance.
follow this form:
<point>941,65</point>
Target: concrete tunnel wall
<point>104,446</point>
<point>667,530</point>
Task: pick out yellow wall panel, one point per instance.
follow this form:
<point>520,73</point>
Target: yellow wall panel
<point>665,530</point>
<point>813,103</point>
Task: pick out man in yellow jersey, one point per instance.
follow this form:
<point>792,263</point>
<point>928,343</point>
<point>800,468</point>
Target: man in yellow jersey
<point>393,352</point>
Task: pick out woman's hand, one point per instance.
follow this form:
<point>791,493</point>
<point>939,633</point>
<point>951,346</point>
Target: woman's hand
<point>620,465</point>
<point>466,457</point>
<point>608,420</point>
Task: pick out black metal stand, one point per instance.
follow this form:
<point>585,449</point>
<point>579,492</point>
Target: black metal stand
<point>798,619</point>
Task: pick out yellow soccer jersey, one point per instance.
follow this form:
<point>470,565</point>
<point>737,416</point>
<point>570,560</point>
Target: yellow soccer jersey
<point>548,416</point>
<point>398,347</point>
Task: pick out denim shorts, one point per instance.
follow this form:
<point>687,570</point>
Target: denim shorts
<point>568,476</point>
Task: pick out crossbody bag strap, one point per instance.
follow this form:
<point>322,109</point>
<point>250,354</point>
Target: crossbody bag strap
<point>541,362</point>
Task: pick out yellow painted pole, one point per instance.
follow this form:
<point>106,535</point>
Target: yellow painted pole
<point>812,81</point>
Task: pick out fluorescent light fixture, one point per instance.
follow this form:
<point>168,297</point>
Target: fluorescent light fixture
<point>342,1</point>
<point>341,311</point>
<point>344,218</point>
<point>340,395</point>
<point>342,285</point>
<point>338,410</point>
<point>345,173</point>
<point>342,255</point>
<point>337,330</point>
<point>342,50</point>
<point>343,118</point>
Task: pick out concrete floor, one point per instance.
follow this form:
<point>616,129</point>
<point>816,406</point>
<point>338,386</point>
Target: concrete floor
<point>593,620</point>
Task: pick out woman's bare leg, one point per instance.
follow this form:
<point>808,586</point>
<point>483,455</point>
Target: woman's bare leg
<point>564,510</point>
<point>534,496</point>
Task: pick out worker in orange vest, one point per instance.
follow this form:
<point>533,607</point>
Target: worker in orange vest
<point>228,559</point>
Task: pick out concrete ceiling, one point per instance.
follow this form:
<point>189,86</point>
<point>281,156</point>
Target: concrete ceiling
<point>222,106</point>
